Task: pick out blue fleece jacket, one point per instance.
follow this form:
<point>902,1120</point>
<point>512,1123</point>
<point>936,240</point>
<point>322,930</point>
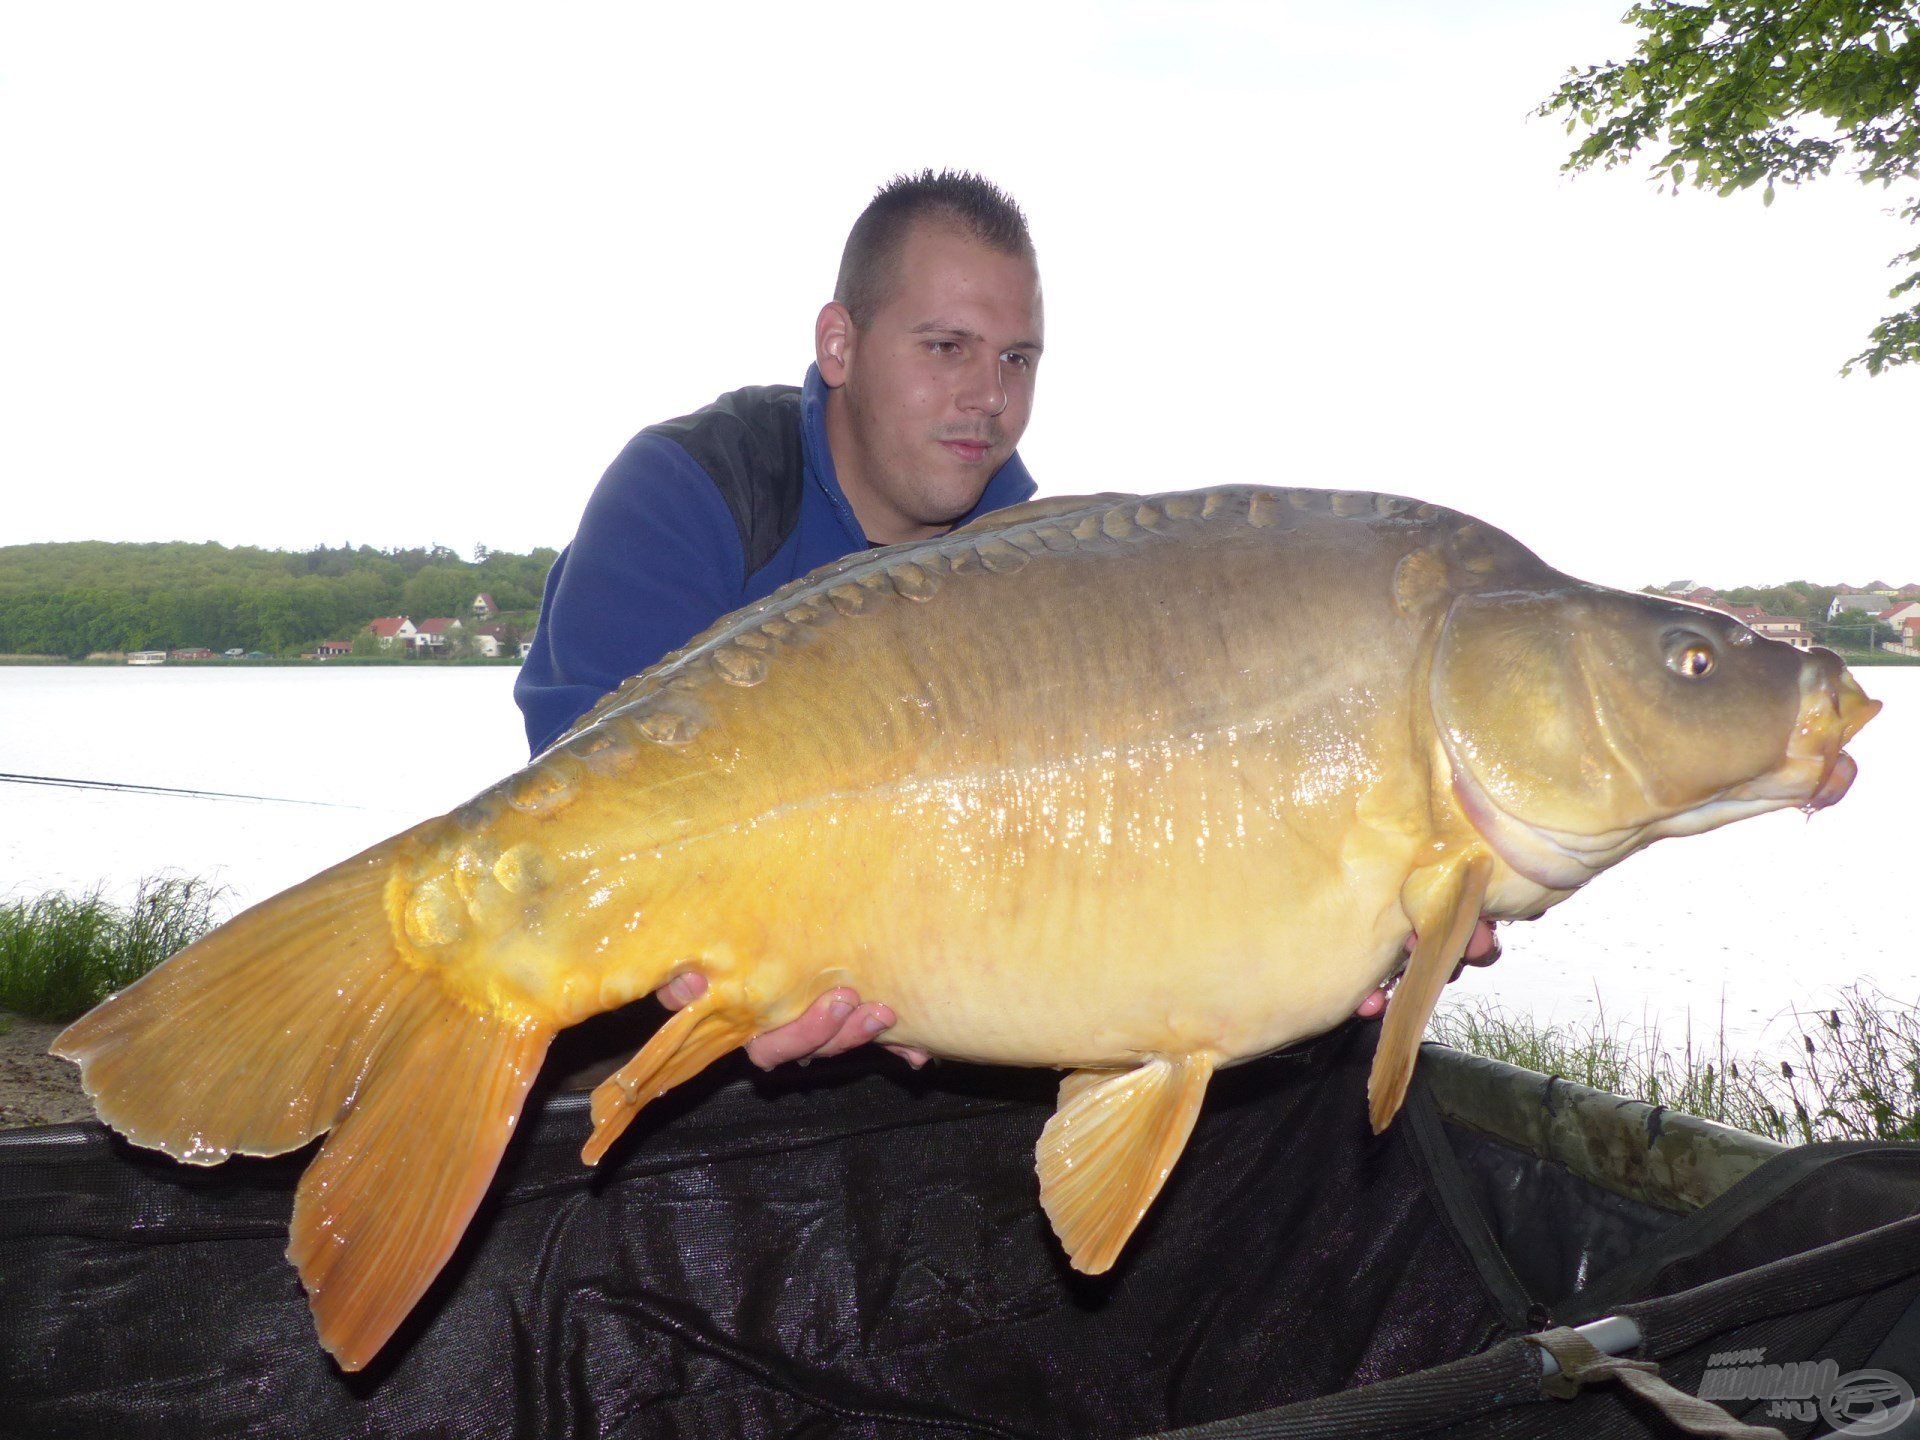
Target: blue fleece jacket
<point>658,558</point>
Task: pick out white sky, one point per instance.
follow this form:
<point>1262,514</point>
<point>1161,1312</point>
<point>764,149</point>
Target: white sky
<point>400,274</point>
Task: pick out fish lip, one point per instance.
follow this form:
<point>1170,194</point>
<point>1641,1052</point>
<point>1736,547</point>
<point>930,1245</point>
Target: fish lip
<point>1835,783</point>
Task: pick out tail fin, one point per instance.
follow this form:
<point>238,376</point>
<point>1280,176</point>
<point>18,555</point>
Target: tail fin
<point>301,1016</point>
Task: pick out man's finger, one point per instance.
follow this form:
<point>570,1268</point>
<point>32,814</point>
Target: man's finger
<point>912,1054</point>
<point>857,1029</point>
<point>1484,946</point>
<point>1375,1002</point>
<point>682,990</point>
<point>804,1037</point>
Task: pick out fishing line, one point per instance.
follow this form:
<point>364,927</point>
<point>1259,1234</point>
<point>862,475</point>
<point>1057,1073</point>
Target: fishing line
<point>131,789</point>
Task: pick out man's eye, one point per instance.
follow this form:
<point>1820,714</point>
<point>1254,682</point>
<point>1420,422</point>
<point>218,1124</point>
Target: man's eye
<point>944,347</point>
<point>1017,358</point>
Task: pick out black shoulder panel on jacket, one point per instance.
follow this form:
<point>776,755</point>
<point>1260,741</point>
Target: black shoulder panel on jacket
<point>748,442</point>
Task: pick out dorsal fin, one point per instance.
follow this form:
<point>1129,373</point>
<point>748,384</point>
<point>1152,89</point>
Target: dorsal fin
<point>1110,514</point>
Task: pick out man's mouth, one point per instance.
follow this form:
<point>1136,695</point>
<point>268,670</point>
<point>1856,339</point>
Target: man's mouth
<point>971,451</point>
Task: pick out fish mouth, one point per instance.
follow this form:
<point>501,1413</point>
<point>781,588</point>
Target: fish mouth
<point>1839,780</point>
<point>1818,771</point>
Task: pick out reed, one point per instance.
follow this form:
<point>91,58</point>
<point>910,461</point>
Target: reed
<point>1851,1072</point>
<point>62,954</point>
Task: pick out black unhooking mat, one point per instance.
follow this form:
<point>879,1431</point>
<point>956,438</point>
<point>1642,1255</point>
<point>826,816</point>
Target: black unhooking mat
<point>850,1251</point>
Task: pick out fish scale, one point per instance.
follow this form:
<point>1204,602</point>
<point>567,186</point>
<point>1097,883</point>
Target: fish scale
<point>1136,787</point>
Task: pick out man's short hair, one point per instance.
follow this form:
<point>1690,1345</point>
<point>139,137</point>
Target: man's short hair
<point>956,197</point>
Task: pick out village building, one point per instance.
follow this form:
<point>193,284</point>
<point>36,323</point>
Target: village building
<point>332,649</point>
<point>488,640</point>
<point>435,635</point>
<point>484,607</point>
<point>1896,615</point>
<point>147,657</point>
<point>393,631</point>
<point>195,652</point>
<point>1783,627</point>
<point>1869,604</point>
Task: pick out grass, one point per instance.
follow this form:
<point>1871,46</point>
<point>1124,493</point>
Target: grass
<point>1853,1075</point>
<point>60,954</point>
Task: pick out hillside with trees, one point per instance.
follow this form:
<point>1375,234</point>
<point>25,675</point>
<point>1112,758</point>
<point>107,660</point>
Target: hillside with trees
<point>78,598</point>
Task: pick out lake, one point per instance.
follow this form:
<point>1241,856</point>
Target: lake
<point>1740,925</point>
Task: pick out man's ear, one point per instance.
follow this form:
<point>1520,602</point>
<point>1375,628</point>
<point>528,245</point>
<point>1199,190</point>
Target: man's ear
<point>833,337</point>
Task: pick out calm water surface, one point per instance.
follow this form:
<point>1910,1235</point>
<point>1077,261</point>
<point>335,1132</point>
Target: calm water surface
<point>1739,925</point>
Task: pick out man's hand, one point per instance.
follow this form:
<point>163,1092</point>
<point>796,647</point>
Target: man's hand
<point>835,1022</point>
<point>1483,948</point>
<point>839,1020</point>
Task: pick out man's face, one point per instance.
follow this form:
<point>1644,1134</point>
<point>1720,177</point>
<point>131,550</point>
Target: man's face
<point>933,394</point>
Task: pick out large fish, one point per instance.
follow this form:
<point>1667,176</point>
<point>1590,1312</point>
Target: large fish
<point>1132,787</point>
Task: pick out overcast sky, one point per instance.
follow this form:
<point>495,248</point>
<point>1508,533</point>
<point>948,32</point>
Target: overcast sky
<point>400,274</point>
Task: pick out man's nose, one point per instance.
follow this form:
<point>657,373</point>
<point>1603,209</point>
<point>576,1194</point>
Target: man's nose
<point>984,387</point>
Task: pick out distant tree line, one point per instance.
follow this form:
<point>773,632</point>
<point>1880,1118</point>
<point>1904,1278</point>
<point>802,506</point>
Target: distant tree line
<point>74,599</point>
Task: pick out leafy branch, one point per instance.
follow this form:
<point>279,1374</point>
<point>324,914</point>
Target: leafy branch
<point>1734,94</point>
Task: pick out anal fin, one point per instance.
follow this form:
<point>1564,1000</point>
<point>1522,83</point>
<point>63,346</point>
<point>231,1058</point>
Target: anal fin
<point>1444,904</point>
<point>692,1039</point>
<point>1109,1148</point>
<point>388,1197</point>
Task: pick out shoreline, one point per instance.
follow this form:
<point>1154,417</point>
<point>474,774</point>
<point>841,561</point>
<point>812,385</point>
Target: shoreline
<point>36,1088</point>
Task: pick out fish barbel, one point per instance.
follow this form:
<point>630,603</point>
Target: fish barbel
<point>1132,787</point>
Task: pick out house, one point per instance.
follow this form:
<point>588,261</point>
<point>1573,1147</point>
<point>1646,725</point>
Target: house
<point>392,631</point>
<point>147,657</point>
<point>526,647</point>
<point>1700,595</point>
<point>196,652</point>
<point>1871,604</point>
<point>484,607</point>
<point>1896,615</point>
<point>433,636</point>
<point>234,654</point>
<point>1910,632</point>
<point>1678,587</point>
<point>489,639</point>
<point>1782,627</point>
<point>332,649</point>
<point>1775,627</point>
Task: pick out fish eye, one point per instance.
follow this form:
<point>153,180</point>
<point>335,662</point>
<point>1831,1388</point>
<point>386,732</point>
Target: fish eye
<point>1691,660</point>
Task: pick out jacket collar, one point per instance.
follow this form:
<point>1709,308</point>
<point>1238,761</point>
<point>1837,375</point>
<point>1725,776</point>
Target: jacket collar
<point>1009,485</point>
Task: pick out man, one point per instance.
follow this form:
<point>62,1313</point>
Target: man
<point>921,387</point>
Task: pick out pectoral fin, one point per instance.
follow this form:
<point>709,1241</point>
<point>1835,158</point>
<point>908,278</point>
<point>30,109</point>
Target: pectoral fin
<point>692,1039</point>
<point>1444,904</point>
<point>1109,1147</point>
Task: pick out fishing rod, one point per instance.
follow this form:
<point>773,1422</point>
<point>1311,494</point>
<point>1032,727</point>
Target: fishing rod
<point>127,788</point>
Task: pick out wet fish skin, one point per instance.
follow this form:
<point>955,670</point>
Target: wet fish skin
<point>1133,787</point>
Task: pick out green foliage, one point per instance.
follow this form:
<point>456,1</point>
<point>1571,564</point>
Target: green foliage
<point>1853,1075</point>
<point>61,955</point>
<point>72,599</point>
<point>1800,599</point>
<point>1734,94</point>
